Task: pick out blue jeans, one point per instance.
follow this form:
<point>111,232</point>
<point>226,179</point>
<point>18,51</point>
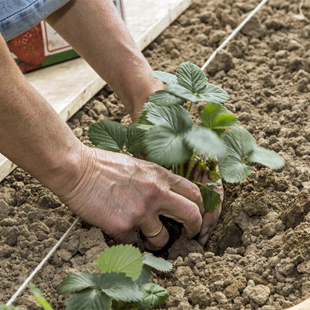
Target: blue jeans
<point>17,16</point>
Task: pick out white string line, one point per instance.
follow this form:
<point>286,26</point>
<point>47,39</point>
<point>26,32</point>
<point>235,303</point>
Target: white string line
<point>301,13</point>
<point>300,7</point>
<point>22,287</point>
<point>233,33</point>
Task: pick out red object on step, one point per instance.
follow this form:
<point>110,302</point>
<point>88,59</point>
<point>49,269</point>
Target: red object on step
<point>28,47</point>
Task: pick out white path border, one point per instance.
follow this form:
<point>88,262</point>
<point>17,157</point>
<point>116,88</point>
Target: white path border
<point>69,85</point>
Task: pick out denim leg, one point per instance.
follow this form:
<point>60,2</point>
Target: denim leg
<point>17,16</point>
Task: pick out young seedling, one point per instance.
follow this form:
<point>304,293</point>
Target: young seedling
<point>167,135</point>
<point>38,296</point>
<point>122,284</point>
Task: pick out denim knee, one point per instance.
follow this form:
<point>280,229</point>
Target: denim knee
<point>17,16</point>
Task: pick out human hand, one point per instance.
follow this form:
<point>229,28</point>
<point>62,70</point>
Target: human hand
<point>121,194</point>
<point>210,218</point>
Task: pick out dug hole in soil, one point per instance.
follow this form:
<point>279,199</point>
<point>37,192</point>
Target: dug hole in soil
<point>259,254</point>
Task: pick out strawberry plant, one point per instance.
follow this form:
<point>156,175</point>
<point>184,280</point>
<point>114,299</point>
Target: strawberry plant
<point>122,284</point>
<point>38,296</point>
<point>167,135</point>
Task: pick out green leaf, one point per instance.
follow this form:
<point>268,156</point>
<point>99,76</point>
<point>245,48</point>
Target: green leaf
<point>206,142</point>
<point>145,276</point>
<point>211,93</point>
<point>164,142</point>
<point>182,92</point>
<point>162,97</point>
<point>135,138</point>
<point>119,287</point>
<point>233,169</point>
<point>143,123</point>
<point>89,299</point>
<point>121,258</point>
<point>191,77</point>
<point>214,94</point>
<point>108,135</point>
<point>153,295</point>
<point>156,263</point>
<point>165,77</point>
<point>225,121</point>
<point>173,117</point>
<point>239,143</point>
<point>215,116</point>
<point>79,281</point>
<point>266,157</point>
<point>4,307</point>
<point>145,127</point>
<point>239,140</point>
<point>209,113</point>
<point>39,297</point>
<point>211,199</point>
<point>165,146</point>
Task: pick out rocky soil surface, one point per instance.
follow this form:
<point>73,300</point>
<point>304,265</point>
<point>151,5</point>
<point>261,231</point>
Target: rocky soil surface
<point>259,254</point>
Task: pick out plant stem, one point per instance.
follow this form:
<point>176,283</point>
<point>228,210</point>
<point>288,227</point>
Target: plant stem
<point>190,107</point>
<point>199,173</point>
<point>191,165</point>
<point>201,184</point>
<point>181,172</point>
<point>209,185</point>
<point>175,169</point>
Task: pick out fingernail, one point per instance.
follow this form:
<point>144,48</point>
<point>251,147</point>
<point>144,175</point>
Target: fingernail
<point>186,234</point>
<point>204,231</point>
<point>204,239</point>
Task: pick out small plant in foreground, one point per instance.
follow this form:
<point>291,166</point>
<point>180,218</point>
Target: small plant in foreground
<point>38,296</point>
<point>167,135</point>
<point>123,283</point>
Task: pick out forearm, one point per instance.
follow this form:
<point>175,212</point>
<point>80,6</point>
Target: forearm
<point>96,31</point>
<point>32,135</point>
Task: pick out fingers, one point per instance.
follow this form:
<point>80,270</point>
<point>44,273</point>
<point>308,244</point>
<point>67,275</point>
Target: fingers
<point>188,190</point>
<point>209,221</point>
<point>183,211</point>
<point>129,237</point>
<point>210,218</point>
<point>155,233</point>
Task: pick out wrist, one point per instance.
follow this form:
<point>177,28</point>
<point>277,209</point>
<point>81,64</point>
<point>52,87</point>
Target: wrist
<point>135,103</point>
<point>65,170</point>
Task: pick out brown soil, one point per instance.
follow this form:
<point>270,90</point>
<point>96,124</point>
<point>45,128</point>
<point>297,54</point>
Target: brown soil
<point>259,255</point>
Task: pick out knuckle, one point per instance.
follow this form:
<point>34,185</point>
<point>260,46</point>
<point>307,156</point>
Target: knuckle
<point>139,211</point>
<point>153,191</point>
<point>122,227</point>
<point>157,169</point>
<point>196,194</point>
